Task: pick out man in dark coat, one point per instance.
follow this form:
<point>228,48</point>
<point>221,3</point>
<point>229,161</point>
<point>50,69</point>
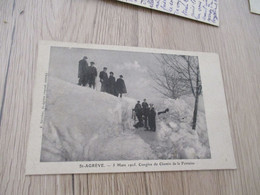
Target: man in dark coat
<point>152,118</point>
<point>138,112</point>
<point>103,79</point>
<point>82,71</point>
<point>111,84</point>
<point>120,86</point>
<point>92,75</point>
<point>145,108</point>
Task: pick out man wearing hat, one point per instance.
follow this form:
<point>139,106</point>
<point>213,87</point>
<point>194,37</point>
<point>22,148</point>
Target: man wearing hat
<point>104,79</point>
<point>120,86</point>
<point>82,71</point>
<point>92,75</point>
<point>111,84</point>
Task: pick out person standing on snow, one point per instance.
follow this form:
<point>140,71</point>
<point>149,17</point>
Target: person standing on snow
<point>111,84</point>
<point>82,71</point>
<point>138,112</point>
<point>92,71</point>
<point>145,108</point>
<point>152,118</point>
<point>103,79</point>
<point>120,86</point>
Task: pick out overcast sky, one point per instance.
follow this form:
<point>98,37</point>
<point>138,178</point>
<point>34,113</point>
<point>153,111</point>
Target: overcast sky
<point>134,66</point>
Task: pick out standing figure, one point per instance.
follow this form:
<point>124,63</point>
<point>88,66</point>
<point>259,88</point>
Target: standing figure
<point>120,86</point>
<point>133,115</point>
<point>92,75</point>
<point>152,118</point>
<point>104,79</point>
<point>111,83</point>
<point>145,108</point>
<point>138,112</point>
<point>82,71</point>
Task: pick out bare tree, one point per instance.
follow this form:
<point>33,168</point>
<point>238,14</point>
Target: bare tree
<point>170,83</point>
<point>179,76</point>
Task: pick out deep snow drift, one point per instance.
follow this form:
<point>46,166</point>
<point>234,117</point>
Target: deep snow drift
<point>83,124</point>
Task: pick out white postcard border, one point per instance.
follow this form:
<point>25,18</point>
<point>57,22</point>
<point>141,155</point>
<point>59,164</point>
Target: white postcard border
<point>222,156</point>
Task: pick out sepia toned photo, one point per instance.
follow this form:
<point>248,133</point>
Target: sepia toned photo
<point>109,109</point>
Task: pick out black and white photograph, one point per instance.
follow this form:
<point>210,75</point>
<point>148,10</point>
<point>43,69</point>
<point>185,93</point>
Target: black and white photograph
<point>119,105</point>
<point>124,109</point>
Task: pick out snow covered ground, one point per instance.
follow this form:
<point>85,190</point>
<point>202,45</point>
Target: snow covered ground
<point>83,124</point>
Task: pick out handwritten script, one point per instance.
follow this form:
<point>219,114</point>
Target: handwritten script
<point>200,10</point>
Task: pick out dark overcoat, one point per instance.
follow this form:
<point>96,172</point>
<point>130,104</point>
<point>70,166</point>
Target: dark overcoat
<point>103,77</point>
<point>145,108</point>
<point>111,85</point>
<point>92,71</point>
<point>138,109</point>
<point>104,81</point>
<point>83,65</point>
<point>152,120</point>
<point>120,86</point>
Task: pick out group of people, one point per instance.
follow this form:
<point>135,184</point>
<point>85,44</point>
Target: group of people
<point>87,74</point>
<point>144,112</point>
<point>87,77</point>
<point>146,116</point>
<point>111,85</point>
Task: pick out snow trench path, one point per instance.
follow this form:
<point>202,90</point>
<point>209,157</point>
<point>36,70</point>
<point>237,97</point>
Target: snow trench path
<point>159,145</point>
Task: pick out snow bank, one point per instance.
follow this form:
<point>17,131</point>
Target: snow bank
<point>84,124</point>
<point>175,129</point>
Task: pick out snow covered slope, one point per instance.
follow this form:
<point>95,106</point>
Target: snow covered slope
<point>83,124</point>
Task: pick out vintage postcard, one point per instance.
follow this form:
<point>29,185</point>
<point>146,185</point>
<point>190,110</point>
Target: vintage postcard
<point>104,109</point>
<point>206,11</point>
